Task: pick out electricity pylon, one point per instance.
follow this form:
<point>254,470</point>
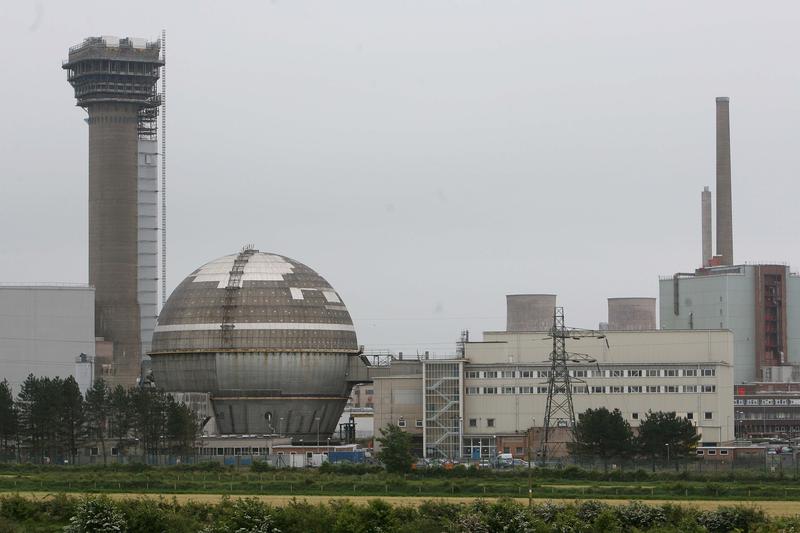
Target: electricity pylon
<point>559,412</point>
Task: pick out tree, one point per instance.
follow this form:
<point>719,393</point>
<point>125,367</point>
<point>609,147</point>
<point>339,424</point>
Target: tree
<point>72,417</point>
<point>98,412</point>
<point>182,427</point>
<point>39,401</point>
<point>8,419</point>
<point>149,418</point>
<point>395,449</point>
<point>663,433</point>
<point>602,433</point>
<point>120,418</point>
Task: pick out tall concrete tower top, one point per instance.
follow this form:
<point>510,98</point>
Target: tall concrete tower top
<point>109,69</point>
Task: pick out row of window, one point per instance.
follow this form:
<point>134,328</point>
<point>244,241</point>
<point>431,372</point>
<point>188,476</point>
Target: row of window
<point>767,401</point>
<point>402,423</point>
<point>771,414</point>
<point>599,389</point>
<point>613,373</point>
<point>490,422</point>
<point>711,452</point>
<point>246,450</point>
<point>206,451</point>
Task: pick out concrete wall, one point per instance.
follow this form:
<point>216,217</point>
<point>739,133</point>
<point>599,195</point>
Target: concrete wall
<point>398,398</point>
<point>623,347</point>
<point>43,329</point>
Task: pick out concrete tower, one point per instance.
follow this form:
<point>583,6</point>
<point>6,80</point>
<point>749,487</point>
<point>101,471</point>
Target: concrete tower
<point>724,206</point>
<point>631,314</point>
<point>705,223</point>
<point>529,312</point>
<point>114,80</point>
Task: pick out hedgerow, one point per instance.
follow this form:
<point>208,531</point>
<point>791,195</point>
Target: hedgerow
<point>251,515</point>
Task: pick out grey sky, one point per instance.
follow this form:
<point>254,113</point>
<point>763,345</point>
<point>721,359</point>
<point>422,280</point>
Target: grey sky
<point>426,157</point>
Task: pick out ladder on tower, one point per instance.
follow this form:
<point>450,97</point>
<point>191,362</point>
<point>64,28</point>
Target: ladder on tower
<point>231,295</point>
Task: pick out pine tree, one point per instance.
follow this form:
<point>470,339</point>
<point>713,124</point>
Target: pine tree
<point>395,449</point>
<point>98,411</point>
<point>664,434</point>
<point>602,433</point>
<point>120,418</point>
<point>8,419</point>
<point>71,417</point>
<point>182,427</point>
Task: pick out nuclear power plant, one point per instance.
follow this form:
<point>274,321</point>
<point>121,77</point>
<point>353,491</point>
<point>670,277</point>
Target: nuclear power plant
<point>262,345</point>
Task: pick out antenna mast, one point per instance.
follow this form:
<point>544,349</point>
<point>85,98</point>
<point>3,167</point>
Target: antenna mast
<point>559,411</point>
<point>164,168</point>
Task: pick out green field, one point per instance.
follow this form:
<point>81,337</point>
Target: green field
<point>354,482</point>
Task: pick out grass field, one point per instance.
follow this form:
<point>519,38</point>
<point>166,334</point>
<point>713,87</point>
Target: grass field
<point>313,483</point>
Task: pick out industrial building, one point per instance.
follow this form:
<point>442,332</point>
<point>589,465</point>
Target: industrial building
<point>44,330</point>
<point>266,339</point>
<point>759,303</point>
<point>115,82</point>
<point>491,397</point>
<point>768,409</point>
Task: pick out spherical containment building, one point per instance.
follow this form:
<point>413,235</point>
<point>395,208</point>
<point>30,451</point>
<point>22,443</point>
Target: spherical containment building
<point>266,337</point>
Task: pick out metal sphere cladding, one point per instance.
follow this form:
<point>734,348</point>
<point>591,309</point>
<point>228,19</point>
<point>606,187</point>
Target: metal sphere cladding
<point>267,337</point>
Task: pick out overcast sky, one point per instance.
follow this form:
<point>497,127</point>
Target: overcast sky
<point>427,157</point>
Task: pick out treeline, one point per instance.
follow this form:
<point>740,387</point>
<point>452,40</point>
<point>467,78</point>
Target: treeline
<point>606,435</point>
<point>51,420</point>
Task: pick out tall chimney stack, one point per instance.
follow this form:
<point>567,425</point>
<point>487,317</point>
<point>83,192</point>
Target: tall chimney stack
<point>705,203</point>
<point>724,207</point>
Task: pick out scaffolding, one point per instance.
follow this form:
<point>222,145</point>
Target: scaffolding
<point>232,295</point>
<point>443,408</point>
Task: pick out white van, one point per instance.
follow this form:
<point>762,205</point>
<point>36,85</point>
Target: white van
<point>504,459</point>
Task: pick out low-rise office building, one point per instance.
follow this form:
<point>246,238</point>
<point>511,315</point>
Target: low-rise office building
<point>765,409</point>
<point>688,372</point>
<point>492,397</point>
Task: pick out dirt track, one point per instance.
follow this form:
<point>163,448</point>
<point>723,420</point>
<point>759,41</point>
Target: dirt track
<point>773,508</point>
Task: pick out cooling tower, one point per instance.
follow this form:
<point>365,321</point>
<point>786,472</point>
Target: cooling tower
<point>631,314</point>
<point>529,312</point>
